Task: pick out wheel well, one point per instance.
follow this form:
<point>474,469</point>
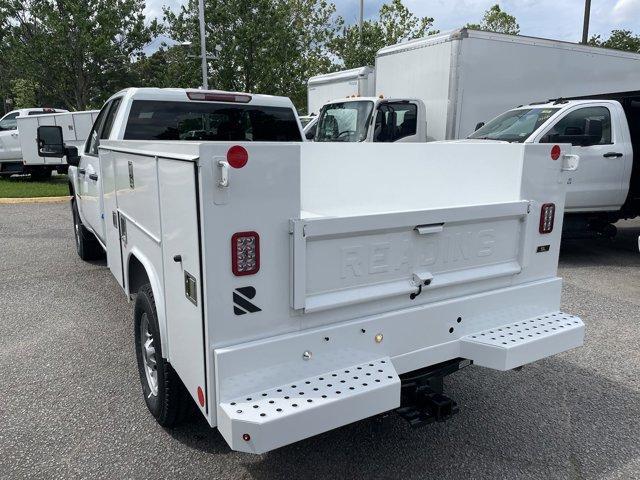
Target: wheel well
<point>137,275</point>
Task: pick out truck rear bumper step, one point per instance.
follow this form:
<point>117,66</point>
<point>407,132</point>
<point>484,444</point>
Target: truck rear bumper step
<point>269,419</point>
<point>522,342</point>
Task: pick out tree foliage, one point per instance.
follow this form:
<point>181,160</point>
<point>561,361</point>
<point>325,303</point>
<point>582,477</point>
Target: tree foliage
<point>269,46</point>
<point>618,39</point>
<point>395,23</point>
<point>24,93</point>
<point>497,20</point>
<point>76,51</point>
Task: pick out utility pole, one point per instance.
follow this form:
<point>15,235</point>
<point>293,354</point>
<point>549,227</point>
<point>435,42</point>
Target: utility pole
<point>361,20</point>
<point>203,46</point>
<point>585,26</point>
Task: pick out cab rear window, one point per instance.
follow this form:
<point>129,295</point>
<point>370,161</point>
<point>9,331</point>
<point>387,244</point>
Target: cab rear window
<point>163,120</point>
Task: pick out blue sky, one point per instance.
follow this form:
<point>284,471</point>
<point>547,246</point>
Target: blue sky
<point>557,19</point>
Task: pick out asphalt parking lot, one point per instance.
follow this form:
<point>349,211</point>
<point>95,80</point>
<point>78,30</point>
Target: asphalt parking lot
<point>70,402</point>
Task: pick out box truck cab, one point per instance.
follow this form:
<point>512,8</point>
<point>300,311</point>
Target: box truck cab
<point>10,149</point>
<point>369,119</point>
<point>604,134</point>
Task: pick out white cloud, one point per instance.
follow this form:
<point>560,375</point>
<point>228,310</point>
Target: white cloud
<point>625,11</point>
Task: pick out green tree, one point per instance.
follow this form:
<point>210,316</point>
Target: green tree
<point>619,40</point>
<point>77,51</point>
<point>24,93</point>
<point>265,46</point>
<point>395,23</point>
<point>497,20</point>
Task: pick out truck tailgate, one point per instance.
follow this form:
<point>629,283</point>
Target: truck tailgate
<point>348,260</point>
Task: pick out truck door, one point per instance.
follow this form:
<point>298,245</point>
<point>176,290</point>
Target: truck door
<point>396,122</point>
<point>9,141</point>
<point>598,183</point>
<point>89,182</point>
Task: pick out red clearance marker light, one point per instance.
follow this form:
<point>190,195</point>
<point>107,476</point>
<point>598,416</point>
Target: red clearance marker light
<point>547,217</point>
<point>555,152</point>
<point>200,397</point>
<point>245,253</point>
<point>237,156</point>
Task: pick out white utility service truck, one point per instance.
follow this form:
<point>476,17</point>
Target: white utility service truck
<point>291,287</point>
<point>359,82</point>
<point>11,157</point>
<point>369,119</point>
<point>466,76</point>
<point>604,133</point>
<point>75,130</point>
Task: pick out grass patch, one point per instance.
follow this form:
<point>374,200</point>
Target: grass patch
<point>23,187</point>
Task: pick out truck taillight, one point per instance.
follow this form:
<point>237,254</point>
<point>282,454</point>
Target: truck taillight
<point>245,253</point>
<point>547,217</point>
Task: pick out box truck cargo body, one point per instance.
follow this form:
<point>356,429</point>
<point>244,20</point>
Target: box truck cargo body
<point>324,88</point>
<point>465,76</point>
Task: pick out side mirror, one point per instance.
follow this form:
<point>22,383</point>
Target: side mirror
<point>73,159</point>
<point>311,134</point>
<point>479,125</point>
<point>50,141</point>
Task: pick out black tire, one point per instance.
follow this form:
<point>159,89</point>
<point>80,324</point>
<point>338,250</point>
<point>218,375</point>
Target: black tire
<point>87,246</point>
<point>168,404</point>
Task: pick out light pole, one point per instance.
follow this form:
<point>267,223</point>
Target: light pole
<point>361,20</point>
<point>585,25</point>
<point>203,46</point>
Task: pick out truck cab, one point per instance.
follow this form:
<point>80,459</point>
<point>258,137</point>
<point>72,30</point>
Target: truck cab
<point>10,151</point>
<point>370,119</point>
<point>154,114</point>
<point>603,189</point>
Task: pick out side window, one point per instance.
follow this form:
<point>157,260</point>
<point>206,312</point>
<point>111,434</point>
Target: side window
<point>583,127</point>
<point>94,135</point>
<point>395,121</point>
<point>108,122</point>
<point>9,122</point>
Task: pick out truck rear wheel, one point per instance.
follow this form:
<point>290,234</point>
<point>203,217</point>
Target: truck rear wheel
<point>87,246</point>
<point>163,390</point>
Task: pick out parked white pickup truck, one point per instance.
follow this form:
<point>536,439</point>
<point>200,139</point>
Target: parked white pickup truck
<point>604,133</point>
<point>290,288</point>
<point>369,119</point>
<point>11,158</point>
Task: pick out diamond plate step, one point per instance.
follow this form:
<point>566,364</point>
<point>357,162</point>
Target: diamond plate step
<point>523,342</point>
<point>271,418</point>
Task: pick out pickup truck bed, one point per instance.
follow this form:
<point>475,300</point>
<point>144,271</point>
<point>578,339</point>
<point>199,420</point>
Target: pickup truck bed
<point>371,261</point>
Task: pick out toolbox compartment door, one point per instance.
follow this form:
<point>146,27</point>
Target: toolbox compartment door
<point>182,274</point>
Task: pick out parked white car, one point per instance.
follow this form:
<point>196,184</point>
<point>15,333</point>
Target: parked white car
<point>10,151</point>
<point>289,287</point>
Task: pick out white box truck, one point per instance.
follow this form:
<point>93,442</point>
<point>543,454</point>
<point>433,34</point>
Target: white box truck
<point>465,76</point>
<point>289,288</point>
<point>75,130</point>
<point>346,83</point>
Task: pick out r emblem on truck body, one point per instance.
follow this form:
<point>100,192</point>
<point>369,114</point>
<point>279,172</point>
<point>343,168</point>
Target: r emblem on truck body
<point>241,303</point>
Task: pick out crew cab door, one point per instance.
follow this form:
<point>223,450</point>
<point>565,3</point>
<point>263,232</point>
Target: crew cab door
<point>597,137</point>
<point>9,141</point>
<point>89,181</point>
